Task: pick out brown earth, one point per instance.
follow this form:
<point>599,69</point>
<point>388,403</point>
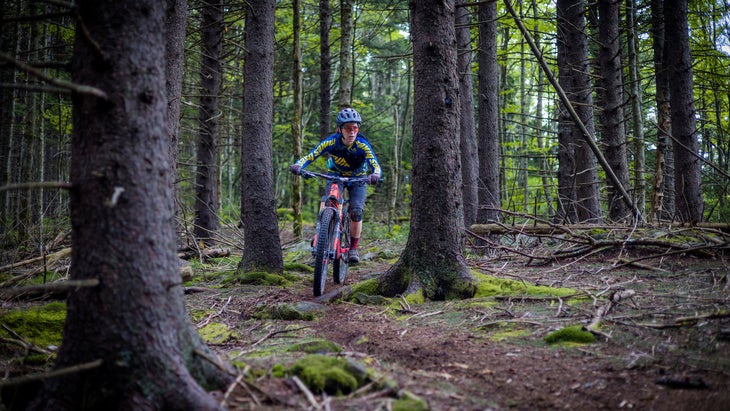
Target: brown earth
<point>667,347</point>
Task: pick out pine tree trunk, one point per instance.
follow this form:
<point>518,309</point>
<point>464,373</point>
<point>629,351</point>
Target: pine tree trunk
<point>611,101</point>
<point>346,74</point>
<point>577,165</point>
<point>123,230</point>
<point>432,260</point>
<point>687,183</point>
<point>488,131</point>
<point>262,246</point>
<point>467,133</point>
<point>206,176</point>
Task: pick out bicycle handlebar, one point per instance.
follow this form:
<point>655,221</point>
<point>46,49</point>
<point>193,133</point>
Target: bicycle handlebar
<point>330,177</point>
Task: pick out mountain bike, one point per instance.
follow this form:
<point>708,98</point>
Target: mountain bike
<point>331,240</point>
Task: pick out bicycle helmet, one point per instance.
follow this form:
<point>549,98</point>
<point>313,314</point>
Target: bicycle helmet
<point>348,115</point>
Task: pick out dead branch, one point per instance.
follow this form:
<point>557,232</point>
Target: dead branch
<point>207,253</point>
<point>56,373</point>
<point>49,258</point>
<point>58,289</point>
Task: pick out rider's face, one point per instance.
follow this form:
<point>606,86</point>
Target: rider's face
<point>349,133</point>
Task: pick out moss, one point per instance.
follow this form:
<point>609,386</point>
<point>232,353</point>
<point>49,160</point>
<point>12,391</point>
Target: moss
<point>216,333</point>
<point>490,286</point>
<point>278,371</point>
<point>369,287</point>
<point>334,376</point>
<point>41,325</point>
<point>508,335</point>
<point>409,404</point>
<point>264,278</point>
<point>302,310</point>
<point>571,334</point>
<point>316,346</point>
<point>299,267</point>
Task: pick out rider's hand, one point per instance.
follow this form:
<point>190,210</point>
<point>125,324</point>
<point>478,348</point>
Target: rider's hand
<point>373,179</point>
<point>295,169</point>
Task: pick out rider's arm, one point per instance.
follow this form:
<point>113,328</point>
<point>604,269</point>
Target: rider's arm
<point>317,151</point>
<point>370,157</point>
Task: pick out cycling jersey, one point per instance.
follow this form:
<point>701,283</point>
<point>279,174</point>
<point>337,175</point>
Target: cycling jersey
<point>353,161</point>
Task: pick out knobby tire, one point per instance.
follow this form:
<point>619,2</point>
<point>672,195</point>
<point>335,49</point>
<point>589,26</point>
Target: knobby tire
<point>325,239</point>
<point>340,265</point>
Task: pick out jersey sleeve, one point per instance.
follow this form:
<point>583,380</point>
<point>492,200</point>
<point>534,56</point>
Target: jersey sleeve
<point>316,152</point>
<point>370,157</point>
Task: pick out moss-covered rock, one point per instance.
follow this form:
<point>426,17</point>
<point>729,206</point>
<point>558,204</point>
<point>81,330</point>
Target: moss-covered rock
<point>301,310</point>
<point>490,286</point>
<point>216,333</point>
<point>41,325</point>
<point>264,278</point>
<point>317,346</point>
<point>331,375</point>
<point>574,334</point>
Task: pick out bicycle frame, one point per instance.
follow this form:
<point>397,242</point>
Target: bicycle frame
<point>333,228</point>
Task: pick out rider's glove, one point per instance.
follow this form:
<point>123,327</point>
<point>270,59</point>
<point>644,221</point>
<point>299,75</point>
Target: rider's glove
<point>373,179</point>
<point>295,169</point>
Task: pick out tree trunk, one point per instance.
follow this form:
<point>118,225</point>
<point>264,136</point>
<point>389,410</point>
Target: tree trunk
<point>611,101</point>
<point>662,205</point>
<point>577,165</point>
<point>206,176</point>
<point>325,70</point>
<point>544,163</point>
<point>262,246</point>
<point>637,115</point>
<point>432,260</point>
<point>123,229</point>
<point>687,184</point>
<point>296,123</point>
<point>467,131</point>
<point>488,131</point>
<point>174,59</point>
<point>346,74</point>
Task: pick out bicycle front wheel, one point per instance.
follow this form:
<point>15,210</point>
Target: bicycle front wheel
<point>325,238</point>
<point>340,265</point>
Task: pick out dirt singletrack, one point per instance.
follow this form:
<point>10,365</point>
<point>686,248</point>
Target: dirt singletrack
<point>664,348</point>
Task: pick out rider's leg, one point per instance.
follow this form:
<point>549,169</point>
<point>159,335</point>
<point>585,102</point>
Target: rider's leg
<point>357,201</point>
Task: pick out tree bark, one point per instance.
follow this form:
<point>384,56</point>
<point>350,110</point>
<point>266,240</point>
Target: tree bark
<point>346,74</point>
<point>488,131</point>
<point>123,229</point>
<point>432,261</point>
<point>206,176</point>
<point>467,130</point>
<point>296,123</point>
<point>174,59</point>
<point>611,101</point>
<point>577,166</point>
<point>687,183</point>
<point>262,246</point>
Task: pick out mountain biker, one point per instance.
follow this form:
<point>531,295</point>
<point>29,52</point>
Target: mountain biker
<point>350,155</point>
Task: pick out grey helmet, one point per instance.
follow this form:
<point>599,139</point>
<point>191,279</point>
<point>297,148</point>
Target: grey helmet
<point>348,115</point>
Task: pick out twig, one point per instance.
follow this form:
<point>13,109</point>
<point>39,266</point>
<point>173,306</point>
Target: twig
<point>78,88</point>
<point>52,374</point>
<point>307,393</point>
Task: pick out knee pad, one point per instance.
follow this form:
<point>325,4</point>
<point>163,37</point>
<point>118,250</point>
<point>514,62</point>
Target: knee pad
<point>355,214</point>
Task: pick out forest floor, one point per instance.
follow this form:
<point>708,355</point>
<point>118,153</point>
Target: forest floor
<point>663,340</point>
<point>662,335</point>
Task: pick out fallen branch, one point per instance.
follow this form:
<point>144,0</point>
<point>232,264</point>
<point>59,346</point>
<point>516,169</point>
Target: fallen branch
<point>56,373</point>
<point>57,289</point>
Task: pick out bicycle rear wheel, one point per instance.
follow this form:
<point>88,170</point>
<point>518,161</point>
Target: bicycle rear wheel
<point>325,238</point>
<point>340,265</point>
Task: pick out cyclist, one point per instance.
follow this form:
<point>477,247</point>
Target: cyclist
<point>350,155</point>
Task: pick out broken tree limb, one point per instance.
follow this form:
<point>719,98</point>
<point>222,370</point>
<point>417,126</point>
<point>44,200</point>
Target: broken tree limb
<point>57,289</point>
<point>565,100</point>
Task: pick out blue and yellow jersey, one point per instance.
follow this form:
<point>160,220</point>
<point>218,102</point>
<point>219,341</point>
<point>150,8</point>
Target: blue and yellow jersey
<point>358,160</point>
